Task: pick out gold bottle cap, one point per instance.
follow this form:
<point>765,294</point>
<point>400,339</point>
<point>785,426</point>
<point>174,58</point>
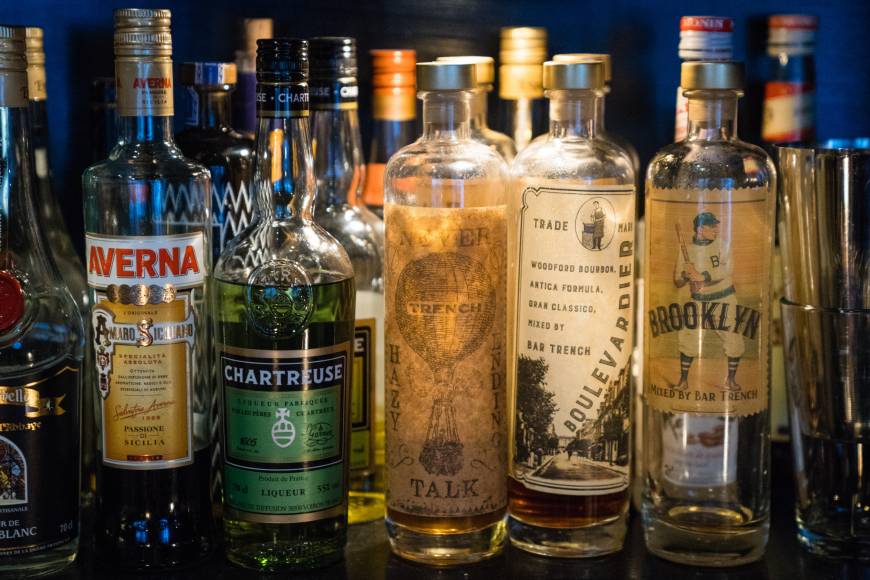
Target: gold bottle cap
<point>588,74</point>
<point>142,32</point>
<point>484,66</point>
<point>584,56</point>
<point>35,63</point>
<point>445,76</point>
<point>33,42</point>
<point>255,29</point>
<point>695,75</point>
<point>523,45</point>
<point>12,49</point>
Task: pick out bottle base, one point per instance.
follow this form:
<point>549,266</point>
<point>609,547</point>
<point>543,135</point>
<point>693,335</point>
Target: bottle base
<point>40,564</point>
<point>276,557</point>
<point>364,507</point>
<point>845,547</point>
<point>698,545</point>
<point>585,542</point>
<point>448,549</point>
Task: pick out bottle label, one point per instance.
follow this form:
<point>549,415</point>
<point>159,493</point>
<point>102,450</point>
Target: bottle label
<point>144,328</point>
<point>681,122</point>
<point>283,437</point>
<point>789,112</point>
<point>39,460</point>
<point>573,341</point>
<point>232,207</point>
<point>13,89</point>
<point>335,94</point>
<point>445,360</point>
<point>144,88</point>
<point>282,100</point>
<point>708,301</point>
<point>699,450</point>
<point>373,190</point>
<point>362,407</point>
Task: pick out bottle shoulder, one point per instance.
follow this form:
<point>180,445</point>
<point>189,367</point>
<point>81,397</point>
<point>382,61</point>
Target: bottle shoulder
<point>700,164</point>
<point>584,160</point>
<point>146,161</point>
<point>461,159</point>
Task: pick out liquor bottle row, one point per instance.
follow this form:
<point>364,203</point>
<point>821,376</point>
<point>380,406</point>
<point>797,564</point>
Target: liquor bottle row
<point>266,355</point>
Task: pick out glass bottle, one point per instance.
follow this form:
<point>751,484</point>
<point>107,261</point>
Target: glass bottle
<point>394,116</point>
<point>244,105</point>
<point>571,248</point>
<point>708,38</point>
<point>480,131</point>
<point>445,284</point>
<point>523,51</point>
<point>41,342</point>
<point>146,242</point>
<point>284,327</point>
<point>709,241</point>
<point>338,171</point>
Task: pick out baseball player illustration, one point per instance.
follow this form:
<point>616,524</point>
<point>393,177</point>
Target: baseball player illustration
<point>599,218</point>
<point>704,265</point>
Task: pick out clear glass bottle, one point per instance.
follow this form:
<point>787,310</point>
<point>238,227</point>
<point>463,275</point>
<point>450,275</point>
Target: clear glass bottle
<point>523,50</point>
<point>146,240</point>
<point>445,284</point>
<point>244,105</point>
<point>284,329</point>
<point>571,270</point>
<point>480,131</point>
<point>338,171</point>
<point>709,241</point>
<point>394,115</point>
<point>41,342</point>
<point>707,38</point>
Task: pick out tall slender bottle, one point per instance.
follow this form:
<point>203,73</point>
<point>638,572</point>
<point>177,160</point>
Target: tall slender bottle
<point>708,38</point>
<point>338,171</point>
<point>445,280</point>
<point>394,116</point>
<point>41,341</point>
<point>284,327</point>
<point>709,241</point>
<point>480,131</point>
<point>244,105</point>
<point>523,51</point>
<point>146,240</point>
<point>571,326</point>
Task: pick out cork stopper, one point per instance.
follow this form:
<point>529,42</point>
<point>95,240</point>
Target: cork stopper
<point>142,32</point>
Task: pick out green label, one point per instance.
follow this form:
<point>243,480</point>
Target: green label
<point>362,405</point>
<point>283,438</point>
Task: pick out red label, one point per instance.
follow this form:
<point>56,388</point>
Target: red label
<point>788,112</point>
<point>11,301</point>
<point>706,23</point>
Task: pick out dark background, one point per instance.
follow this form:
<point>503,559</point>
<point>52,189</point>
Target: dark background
<point>642,36</point>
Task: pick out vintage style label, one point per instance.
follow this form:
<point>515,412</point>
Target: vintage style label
<point>574,332</point>
<point>283,432</point>
<point>282,100</point>
<point>334,94</point>
<point>144,329</point>
<point>362,407</point>
<point>708,301</point>
<point>39,460</point>
<point>789,112</point>
<point>144,87</point>
<point>13,89</point>
<point>445,360</point>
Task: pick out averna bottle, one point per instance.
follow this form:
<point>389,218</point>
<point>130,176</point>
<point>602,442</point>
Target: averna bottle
<point>146,240</point>
<point>571,256</point>
<point>709,241</point>
<point>445,282</point>
<point>41,341</point>
<point>338,171</point>
<point>284,328</point>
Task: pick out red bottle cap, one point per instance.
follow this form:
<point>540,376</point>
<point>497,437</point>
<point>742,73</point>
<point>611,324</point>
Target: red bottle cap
<point>11,301</point>
<point>793,21</point>
<point>707,23</point>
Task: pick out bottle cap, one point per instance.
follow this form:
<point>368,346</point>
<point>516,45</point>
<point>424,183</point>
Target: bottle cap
<point>587,74</point>
<point>12,49</point>
<point>445,76</point>
<point>35,64</point>
<point>34,44</point>
<point>208,74</point>
<point>523,45</point>
<point>282,60</point>
<point>706,37</point>
<point>393,68</point>
<point>711,75</point>
<point>792,34</point>
<point>587,56</point>
<point>332,57</point>
<point>484,67</point>
<point>142,32</point>
<point>253,29</point>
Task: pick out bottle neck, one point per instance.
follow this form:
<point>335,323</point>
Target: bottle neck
<point>574,114</point>
<point>478,106</point>
<point>446,115</point>
<point>283,174</point>
<point>338,160</point>
<point>144,129</point>
<point>214,109</point>
<point>712,115</point>
<point>145,109</point>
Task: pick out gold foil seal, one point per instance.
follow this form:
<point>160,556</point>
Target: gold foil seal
<point>577,75</point>
<point>523,51</point>
<point>699,75</point>
<point>446,76</point>
<point>584,56</point>
<point>393,82</point>
<point>13,67</point>
<point>35,64</point>
<point>143,62</point>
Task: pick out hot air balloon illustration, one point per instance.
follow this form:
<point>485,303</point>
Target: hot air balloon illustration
<point>445,306</point>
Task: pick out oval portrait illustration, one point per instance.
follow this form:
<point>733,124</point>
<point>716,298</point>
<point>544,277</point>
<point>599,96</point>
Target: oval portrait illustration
<point>594,224</point>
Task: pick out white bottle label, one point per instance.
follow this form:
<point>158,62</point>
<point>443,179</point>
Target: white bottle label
<point>145,260</point>
<point>789,112</point>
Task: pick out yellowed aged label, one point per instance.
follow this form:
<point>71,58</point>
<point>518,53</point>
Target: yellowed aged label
<point>143,360</point>
<point>144,88</point>
<point>445,360</point>
<point>707,325</point>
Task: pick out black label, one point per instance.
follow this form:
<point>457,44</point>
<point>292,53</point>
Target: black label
<point>279,101</point>
<point>335,94</point>
<point>39,460</point>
